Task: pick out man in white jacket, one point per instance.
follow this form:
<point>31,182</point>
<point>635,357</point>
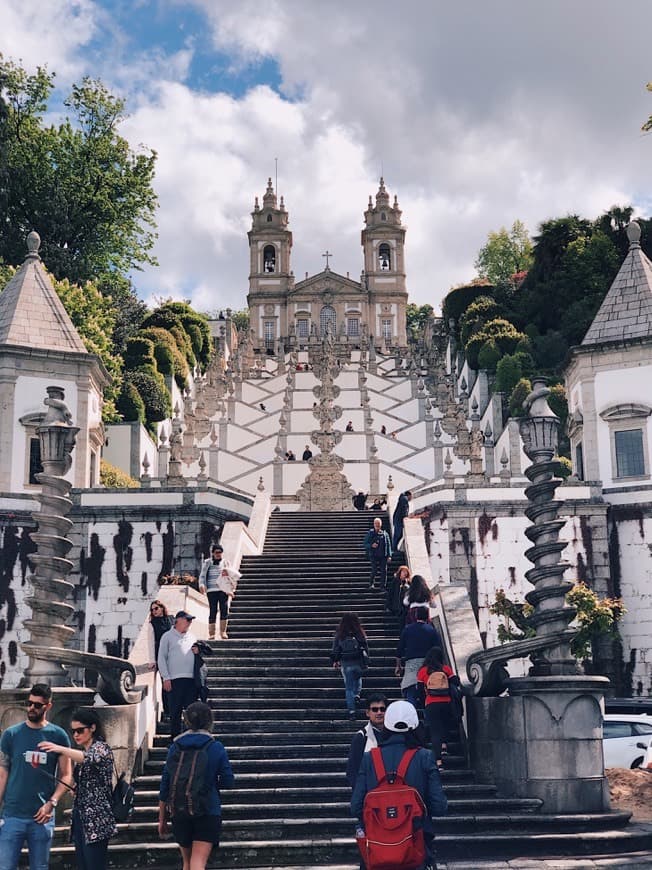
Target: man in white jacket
<point>218,580</point>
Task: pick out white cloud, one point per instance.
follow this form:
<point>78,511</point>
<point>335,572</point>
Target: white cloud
<point>479,114</point>
<point>52,32</point>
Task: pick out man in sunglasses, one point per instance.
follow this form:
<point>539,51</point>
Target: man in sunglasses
<point>368,737</point>
<point>31,783</point>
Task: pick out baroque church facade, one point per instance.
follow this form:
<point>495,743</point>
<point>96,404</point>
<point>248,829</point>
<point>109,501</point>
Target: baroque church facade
<point>288,312</point>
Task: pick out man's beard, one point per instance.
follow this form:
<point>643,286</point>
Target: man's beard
<point>35,717</point>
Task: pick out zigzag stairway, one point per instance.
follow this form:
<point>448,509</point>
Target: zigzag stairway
<point>279,709</point>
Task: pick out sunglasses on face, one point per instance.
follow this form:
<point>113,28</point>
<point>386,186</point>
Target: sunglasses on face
<point>155,607</point>
<point>37,705</point>
<point>377,709</point>
<point>79,730</point>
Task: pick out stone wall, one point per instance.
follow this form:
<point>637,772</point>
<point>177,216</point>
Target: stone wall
<point>122,551</point>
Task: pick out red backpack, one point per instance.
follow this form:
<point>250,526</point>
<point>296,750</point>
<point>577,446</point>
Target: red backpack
<point>392,817</point>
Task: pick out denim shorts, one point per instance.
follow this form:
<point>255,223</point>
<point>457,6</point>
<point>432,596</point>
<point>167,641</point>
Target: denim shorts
<point>187,829</point>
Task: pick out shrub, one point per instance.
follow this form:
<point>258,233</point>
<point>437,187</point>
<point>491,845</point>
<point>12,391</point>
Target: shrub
<point>509,372</point>
<point>139,352</point>
<point>520,392</point>
<point>164,359</point>
<point>563,467</point>
<point>504,333</point>
<point>153,392</point>
<point>115,478</point>
<point>489,355</point>
<point>162,338</point>
<point>476,315</point>
<point>183,343</point>
<point>129,404</point>
<point>459,298</point>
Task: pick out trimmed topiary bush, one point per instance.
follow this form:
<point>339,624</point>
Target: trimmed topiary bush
<point>115,478</point>
<point>476,315</point>
<point>520,392</point>
<point>129,404</point>
<point>139,352</point>
<point>489,355</point>
<point>504,333</point>
<point>459,298</point>
<point>154,394</point>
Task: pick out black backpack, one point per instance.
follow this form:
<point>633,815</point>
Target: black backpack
<point>350,649</point>
<point>190,788</point>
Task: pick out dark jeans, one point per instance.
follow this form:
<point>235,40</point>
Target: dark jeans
<point>438,720</point>
<point>217,598</point>
<point>378,566</point>
<point>398,534</point>
<point>183,693</point>
<point>89,856</point>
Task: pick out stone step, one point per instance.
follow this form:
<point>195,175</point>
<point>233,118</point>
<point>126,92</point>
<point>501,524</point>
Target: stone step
<point>321,852</point>
<point>285,764</point>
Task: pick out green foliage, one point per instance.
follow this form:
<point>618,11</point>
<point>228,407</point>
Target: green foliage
<point>416,316</point>
<point>648,124</point>
<point>154,394</point>
<point>78,184</point>
<point>596,618</point>
<point>94,315</point>
<point>166,348</point>
<point>558,402</point>
<point>240,319</point>
<point>129,405</point>
<point>489,355</point>
<point>459,298</point>
<point>509,372</point>
<point>505,253</point>
<point>115,478</point>
<point>139,353</point>
<point>503,333</point>
<point>196,328</point>
<point>518,395</point>
<point>476,315</point>
<point>563,467</point>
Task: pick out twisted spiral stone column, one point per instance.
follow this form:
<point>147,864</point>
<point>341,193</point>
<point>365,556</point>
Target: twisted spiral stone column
<point>552,615</point>
<point>50,589</point>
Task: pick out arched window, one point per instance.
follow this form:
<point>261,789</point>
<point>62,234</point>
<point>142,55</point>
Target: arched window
<point>269,218</point>
<point>269,258</point>
<point>327,316</point>
<point>384,257</point>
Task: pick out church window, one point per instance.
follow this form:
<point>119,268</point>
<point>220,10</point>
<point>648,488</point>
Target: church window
<point>269,218</point>
<point>269,332</point>
<point>386,329</point>
<point>383,216</point>
<point>353,327</point>
<point>303,327</point>
<point>327,317</point>
<point>35,466</point>
<point>630,458</point>
<point>269,258</point>
<point>384,257</point>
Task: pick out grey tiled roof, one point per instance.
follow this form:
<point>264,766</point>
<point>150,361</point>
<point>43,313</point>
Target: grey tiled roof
<point>32,315</point>
<point>626,312</point>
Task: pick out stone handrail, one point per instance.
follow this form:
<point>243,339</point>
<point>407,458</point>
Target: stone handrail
<point>487,670</point>
<point>116,676</point>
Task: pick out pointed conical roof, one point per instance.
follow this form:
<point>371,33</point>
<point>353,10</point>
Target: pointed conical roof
<point>31,313</point>
<point>626,311</point>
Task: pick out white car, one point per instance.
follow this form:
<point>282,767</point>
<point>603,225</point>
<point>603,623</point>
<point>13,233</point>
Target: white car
<point>625,738</point>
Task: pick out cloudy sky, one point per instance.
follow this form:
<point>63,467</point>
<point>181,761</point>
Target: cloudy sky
<point>478,113</point>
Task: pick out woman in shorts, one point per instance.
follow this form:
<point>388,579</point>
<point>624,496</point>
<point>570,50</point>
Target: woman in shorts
<point>195,828</point>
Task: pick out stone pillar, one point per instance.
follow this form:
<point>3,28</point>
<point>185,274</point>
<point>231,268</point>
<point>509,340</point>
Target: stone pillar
<point>50,610</point>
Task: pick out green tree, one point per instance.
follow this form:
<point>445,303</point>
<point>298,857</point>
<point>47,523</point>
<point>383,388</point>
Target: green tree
<point>505,253</point>
<point>501,331</point>
<point>476,315</point>
<point>78,183</point>
<point>648,124</point>
<point>240,320</point>
<point>416,316</point>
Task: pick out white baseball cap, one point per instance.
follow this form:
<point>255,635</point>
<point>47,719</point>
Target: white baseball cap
<point>401,716</point>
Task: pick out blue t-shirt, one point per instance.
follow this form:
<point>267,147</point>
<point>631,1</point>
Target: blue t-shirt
<point>31,771</point>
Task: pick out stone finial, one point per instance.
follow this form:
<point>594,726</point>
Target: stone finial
<point>33,244</point>
<point>202,466</point>
<point>261,485</point>
<point>634,234</point>
<point>163,436</point>
<point>146,464</point>
<point>488,432</point>
<point>390,483</point>
<point>437,430</point>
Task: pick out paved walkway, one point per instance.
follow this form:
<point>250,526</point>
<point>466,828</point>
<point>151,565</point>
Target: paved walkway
<point>615,862</point>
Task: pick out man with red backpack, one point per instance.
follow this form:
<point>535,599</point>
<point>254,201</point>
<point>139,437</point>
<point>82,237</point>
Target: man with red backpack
<point>397,792</point>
